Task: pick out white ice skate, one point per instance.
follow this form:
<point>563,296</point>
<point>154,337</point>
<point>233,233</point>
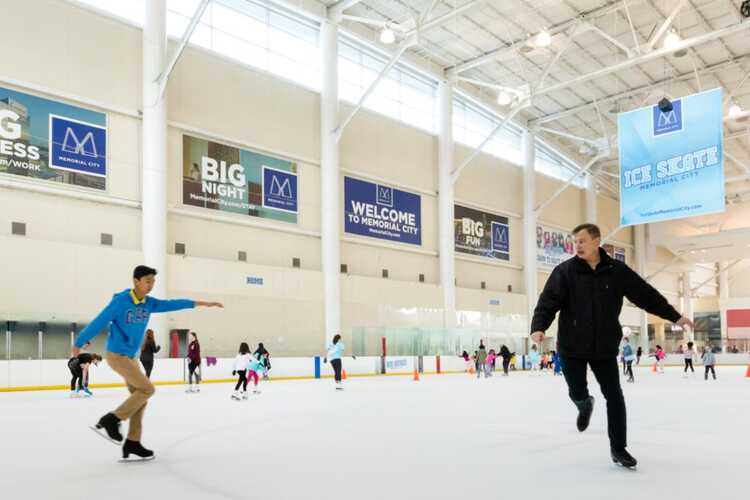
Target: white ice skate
<point>256,391</point>
<point>236,395</point>
<point>244,395</point>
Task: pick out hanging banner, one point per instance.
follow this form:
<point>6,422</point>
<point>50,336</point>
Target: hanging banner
<point>52,141</point>
<point>672,163</point>
<point>229,179</point>
<point>382,212</point>
<point>553,246</point>
<point>481,233</point>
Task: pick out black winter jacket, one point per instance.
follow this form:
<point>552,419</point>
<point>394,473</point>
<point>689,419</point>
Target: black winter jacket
<point>590,302</point>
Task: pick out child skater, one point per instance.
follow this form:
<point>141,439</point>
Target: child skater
<point>240,369</point>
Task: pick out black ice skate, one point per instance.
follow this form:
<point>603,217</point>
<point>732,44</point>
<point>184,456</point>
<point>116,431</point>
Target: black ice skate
<point>135,448</point>
<point>624,458</point>
<point>585,409</point>
<point>108,427</point>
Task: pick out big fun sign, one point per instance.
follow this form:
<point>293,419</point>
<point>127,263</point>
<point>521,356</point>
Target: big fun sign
<point>672,161</point>
<point>383,212</point>
<point>481,233</point>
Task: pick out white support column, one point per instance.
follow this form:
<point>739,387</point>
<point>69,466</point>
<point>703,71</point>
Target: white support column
<point>723,295</point>
<point>329,181</point>
<point>640,267</point>
<point>687,303</point>
<point>154,178</point>
<point>529,223</point>
<point>591,214</point>
<point>445,201</point>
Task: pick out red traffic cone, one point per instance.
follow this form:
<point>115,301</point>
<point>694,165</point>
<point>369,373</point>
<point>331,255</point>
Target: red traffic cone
<point>747,373</point>
<point>653,368</point>
<point>343,374</point>
<point>416,375</point>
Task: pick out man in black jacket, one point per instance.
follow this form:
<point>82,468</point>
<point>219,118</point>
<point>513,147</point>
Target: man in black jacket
<point>588,291</point>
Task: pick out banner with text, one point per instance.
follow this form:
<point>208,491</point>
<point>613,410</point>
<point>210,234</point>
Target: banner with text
<point>229,179</point>
<point>553,246</point>
<point>672,162</point>
<point>52,141</point>
<point>382,212</point>
<point>481,233</point>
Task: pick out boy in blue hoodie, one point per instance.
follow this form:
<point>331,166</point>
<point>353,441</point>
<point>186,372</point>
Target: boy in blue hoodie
<point>127,317</point>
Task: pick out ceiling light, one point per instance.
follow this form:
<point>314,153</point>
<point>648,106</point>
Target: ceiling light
<point>734,111</point>
<point>543,39</point>
<point>387,36</point>
<point>672,40</point>
<point>504,98</point>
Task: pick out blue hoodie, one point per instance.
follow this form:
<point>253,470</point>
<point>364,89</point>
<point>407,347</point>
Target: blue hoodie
<point>335,351</point>
<point>127,318</point>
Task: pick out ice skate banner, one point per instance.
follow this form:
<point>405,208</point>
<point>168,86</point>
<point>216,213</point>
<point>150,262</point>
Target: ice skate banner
<point>481,233</point>
<point>52,141</point>
<point>553,246</point>
<point>383,212</point>
<point>672,163</point>
<point>220,177</point>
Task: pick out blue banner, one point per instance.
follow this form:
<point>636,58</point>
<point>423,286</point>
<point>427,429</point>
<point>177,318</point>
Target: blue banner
<point>382,212</point>
<point>279,189</point>
<point>672,163</point>
<point>77,146</point>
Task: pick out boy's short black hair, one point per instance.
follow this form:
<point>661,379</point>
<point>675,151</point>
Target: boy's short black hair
<point>141,271</point>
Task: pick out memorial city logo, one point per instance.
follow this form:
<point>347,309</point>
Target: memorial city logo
<point>384,195</point>
<point>667,121</point>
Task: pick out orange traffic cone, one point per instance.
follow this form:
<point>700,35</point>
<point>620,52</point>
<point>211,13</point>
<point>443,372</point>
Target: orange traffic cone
<point>653,368</point>
<point>416,375</point>
<point>747,373</point>
<point>343,374</point>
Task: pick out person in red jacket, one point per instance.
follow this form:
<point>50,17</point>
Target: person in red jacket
<point>194,363</point>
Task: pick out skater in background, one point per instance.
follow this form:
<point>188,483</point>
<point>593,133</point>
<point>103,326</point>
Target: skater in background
<point>480,358</point>
<point>262,355</point>
<point>628,357</point>
<point>79,368</point>
<point>254,368</point>
<point>127,316</point>
<point>588,291</point>
<point>709,361</point>
<point>534,359</point>
<point>659,354</point>
<point>514,362</point>
<point>147,352</point>
<point>241,362</point>
<point>334,353</point>
<point>507,356</point>
<point>467,361</point>
<point>638,354</point>
<point>689,355</point>
<point>556,363</point>
<point>490,363</point>
<point>194,363</point>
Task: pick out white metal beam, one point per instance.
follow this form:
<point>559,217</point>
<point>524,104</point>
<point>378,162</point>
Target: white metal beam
<point>336,10</point>
<point>737,162</point>
<point>373,22</point>
<point>644,88</point>
<point>714,275</point>
<point>646,57</point>
<point>570,136</point>
<point>435,22</point>
<point>394,58</point>
<point>553,30</point>
<point>506,120</point>
<point>538,210</point>
<point>666,24</point>
<point>164,76</point>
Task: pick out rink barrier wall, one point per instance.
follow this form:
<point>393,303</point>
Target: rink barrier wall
<point>41,375</point>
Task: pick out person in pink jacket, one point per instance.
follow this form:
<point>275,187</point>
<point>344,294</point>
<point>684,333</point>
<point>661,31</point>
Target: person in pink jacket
<point>489,363</point>
<point>660,355</point>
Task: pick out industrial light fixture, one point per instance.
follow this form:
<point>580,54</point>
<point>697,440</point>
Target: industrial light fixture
<point>734,111</point>
<point>543,39</point>
<point>504,98</point>
<point>387,36</point>
<point>672,40</point>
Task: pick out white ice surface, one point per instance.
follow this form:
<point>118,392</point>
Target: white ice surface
<point>447,436</point>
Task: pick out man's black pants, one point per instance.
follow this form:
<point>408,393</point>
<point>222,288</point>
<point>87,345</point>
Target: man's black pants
<point>607,373</point>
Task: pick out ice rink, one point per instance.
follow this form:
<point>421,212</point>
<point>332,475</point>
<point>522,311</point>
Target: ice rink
<point>447,436</point>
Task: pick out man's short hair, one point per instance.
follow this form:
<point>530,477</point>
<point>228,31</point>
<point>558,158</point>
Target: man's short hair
<point>141,271</point>
<point>592,229</point>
